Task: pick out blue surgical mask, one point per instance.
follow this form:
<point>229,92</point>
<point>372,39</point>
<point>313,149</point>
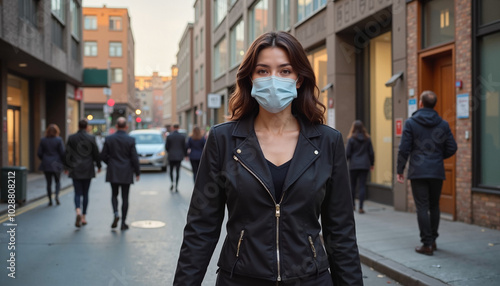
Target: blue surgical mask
<point>274,93</point>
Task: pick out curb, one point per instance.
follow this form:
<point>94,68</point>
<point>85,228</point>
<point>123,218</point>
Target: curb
<point>402,274</point>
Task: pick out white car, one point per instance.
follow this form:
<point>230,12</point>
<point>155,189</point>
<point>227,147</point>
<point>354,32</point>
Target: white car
<point>150,145</point>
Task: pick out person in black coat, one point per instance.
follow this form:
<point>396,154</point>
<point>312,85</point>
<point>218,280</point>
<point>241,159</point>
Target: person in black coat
<point>82,156</point>
<point>359,153</point>
<point>195,145</point>
<point>120,155</point>
<point>51,152</point>
<point>282,176</point>
<point>176,151</point>
<point>427,140</point>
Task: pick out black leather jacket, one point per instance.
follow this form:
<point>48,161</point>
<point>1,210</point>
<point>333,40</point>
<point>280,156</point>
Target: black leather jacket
<point>268,239</point>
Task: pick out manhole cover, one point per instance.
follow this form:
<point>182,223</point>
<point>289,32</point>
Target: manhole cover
<point>148,224</point>
<point>149,193</point>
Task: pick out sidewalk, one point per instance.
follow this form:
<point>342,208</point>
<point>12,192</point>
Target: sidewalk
<point>467,254</point>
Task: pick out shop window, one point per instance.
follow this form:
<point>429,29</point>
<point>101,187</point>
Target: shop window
<point>258,19</point>
<point>319,63</point>
<point>488,79</point>
<point>490,11</point>
<point>438,22</point>
<point>90,22</point>
<point>237,48</point>
<point>282,15</point>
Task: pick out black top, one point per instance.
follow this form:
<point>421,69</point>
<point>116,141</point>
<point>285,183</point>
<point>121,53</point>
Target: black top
<point>278,173</point>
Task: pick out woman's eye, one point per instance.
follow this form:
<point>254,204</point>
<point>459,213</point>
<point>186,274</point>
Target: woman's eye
<point>261,71</point>
<point>286,72</point>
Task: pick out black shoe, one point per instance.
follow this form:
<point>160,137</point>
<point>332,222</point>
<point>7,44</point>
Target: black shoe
<point>434,246</point>
<point>57,201</point>
<point>424,249</point>
<point>50,203</point>
<point>176,190</point>
<point>171,187</point>
<point>124,226</point>
<point>115,221</point>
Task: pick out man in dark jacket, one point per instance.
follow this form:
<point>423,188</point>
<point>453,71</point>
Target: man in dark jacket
<point>428,140</point>
<point>81,154</point>
<point>177,151</point>
<point>120,155</point>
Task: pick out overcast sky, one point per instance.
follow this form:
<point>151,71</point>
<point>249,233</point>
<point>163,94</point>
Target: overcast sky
<point>157,26</point>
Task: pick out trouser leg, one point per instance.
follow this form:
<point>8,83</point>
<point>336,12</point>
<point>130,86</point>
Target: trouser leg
<point>177,171</point>
<point>434,211</point>
<point>353,174</point>
<point>114,197</point>
<point>85,194</point>
<point>125,192</point>
<point>48,179</point>
<point>77,185</point>
<point>194,165</point>
<point>362,187</point>
<point>420,190</point>
<point>57,178</point>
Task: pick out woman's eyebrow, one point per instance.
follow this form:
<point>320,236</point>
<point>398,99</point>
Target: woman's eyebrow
<point>266,66</point>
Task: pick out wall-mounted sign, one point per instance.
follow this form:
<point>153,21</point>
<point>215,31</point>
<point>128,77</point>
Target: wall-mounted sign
<point>463,105</point>
<point>213,100</point>
<point>412,106</point>
<point>399,127</point>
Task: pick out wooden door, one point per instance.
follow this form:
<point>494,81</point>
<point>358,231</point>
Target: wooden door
<point>443,86</point>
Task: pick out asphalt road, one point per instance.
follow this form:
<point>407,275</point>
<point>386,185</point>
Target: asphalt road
<point>50,250</point>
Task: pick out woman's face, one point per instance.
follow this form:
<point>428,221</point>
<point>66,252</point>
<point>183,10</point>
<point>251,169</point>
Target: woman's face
<point>273,61</point>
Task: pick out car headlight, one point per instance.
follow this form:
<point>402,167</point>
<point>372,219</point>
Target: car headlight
<point>160,154</point>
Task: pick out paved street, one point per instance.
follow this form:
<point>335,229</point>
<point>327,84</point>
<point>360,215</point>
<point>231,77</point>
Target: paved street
<point>50,250</point>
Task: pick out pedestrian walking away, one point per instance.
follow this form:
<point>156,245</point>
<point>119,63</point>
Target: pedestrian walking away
<point>176,152</point>
<point>82,156</point>
<point>359,153</point>
<point>51,152</point>
<point>277,169</point>
<point>121,157</point>
<point>195,145</point>
<point>427,140</point>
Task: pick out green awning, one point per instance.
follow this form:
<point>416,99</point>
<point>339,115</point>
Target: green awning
<point>96,78</point>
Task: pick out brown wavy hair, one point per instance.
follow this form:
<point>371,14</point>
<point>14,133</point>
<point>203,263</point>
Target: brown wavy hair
<point>358,127</point>
<point>52,131</point>
<point>242,104</point>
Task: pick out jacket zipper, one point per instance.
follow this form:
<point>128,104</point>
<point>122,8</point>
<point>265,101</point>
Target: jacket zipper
<point>312,246</point>
<point>239,243</point>
<point>277,214</point>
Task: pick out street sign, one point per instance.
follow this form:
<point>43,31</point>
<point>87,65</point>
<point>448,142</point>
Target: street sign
<point>107,91</point>
<point>399,127</point>
<point>213,100</point>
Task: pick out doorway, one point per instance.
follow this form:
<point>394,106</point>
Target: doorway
<point>436,73</point>
<point>13,132</point>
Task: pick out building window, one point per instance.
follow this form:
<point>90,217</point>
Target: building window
<point>438,22</point>
<point>282,15</point>
<point>196,84</point>
<point>237,48</point>
<point>201,40</point>
<point>57,7</point>
<point>115,23</point>
<point>57,33</point>
<point>220,10</point>
<point>220,57</point>
<point>28,10</point>
<point>90,22</point>
<point>196,43</point>
<point>202,77</point>
<point>115,49</point>
<point>90,49</point>
<point>489,11</point>
<point>116,75</point>
<point>75,19</point>
<point>75,50</point>
<point>258,19</point>
<point>306,8</point>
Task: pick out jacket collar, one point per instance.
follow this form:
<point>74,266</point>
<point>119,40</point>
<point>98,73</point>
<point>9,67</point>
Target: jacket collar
<point>248,151</point>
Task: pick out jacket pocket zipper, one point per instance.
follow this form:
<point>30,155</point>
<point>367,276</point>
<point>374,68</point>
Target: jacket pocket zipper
<point>311,243</point>
<point>239,243</point>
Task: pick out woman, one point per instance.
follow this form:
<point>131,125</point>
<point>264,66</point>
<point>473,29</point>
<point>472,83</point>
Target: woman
<point>51,152</point>
<point>277,169</point>
<point>195,145</point>
<point>359,152</point>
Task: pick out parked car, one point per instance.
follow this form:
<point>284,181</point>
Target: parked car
<point>150,146</point>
